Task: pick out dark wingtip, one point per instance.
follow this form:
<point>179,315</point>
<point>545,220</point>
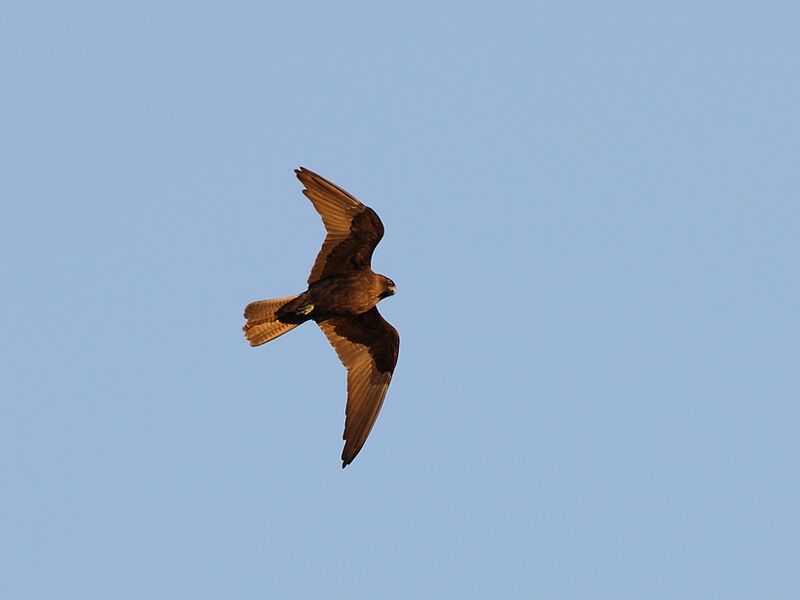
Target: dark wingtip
<point>346,460</point>
<point>304,176</point>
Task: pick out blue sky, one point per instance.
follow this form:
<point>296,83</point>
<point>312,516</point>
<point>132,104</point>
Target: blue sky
<point>592,217</point>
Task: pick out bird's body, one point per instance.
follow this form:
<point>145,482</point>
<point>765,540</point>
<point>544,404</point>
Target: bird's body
<point>348,293</point>
<point>341,298</point>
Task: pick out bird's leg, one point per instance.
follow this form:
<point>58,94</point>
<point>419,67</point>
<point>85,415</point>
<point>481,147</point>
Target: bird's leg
<point>298,308</point>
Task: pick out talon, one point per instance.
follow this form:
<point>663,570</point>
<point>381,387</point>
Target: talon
<point>304,310</point>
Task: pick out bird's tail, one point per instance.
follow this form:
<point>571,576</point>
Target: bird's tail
<point>262,321</point>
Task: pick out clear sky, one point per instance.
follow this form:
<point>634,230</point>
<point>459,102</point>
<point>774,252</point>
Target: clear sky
<point>592,213</point>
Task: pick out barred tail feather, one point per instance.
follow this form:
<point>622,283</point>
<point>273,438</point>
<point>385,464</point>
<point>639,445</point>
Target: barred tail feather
<point>262,323</point>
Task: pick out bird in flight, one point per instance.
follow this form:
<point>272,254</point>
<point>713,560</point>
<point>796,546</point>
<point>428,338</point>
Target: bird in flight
<point>341,298</point>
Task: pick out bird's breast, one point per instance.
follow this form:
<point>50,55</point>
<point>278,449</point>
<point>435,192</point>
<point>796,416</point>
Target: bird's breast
<point>349,293</point>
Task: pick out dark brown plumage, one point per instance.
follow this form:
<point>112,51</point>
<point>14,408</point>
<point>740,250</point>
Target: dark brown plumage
<point>341,298</point>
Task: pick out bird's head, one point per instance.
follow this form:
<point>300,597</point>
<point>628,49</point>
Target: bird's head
<point>389,289</point>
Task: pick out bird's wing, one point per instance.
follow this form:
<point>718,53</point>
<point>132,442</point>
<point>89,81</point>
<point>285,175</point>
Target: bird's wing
<point>367,346</point>
<point>353,229</point>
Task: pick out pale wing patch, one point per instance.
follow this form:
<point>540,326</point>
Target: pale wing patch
<point>336,207</point>
<point>336,215</point>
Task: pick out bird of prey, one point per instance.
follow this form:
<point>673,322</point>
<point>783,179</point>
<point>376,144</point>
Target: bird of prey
<point>341,298</point>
